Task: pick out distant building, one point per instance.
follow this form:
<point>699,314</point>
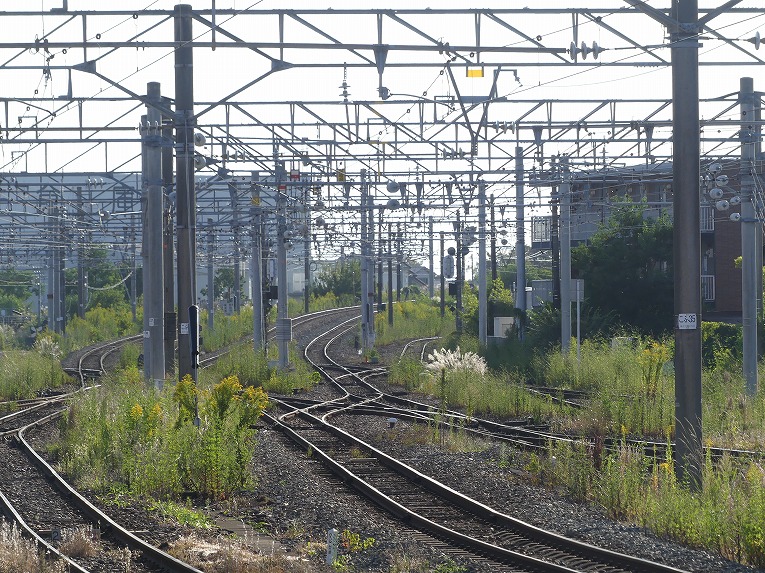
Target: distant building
<point>595,196</point>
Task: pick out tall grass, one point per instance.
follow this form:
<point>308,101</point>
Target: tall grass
<point>99,324</point>
<point>727,516</point>
<point>631,387</point>
<point>255,369</point>
<point>226,329</point>
<point>411,319</point>
<point>296,304</point>
<point>487,394</point>
<point>24,374</point>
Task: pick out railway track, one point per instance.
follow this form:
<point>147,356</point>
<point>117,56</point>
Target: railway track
<point>35,497</point>
<point>413,497</point>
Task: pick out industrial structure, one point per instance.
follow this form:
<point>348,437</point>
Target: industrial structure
<point>188,137</point>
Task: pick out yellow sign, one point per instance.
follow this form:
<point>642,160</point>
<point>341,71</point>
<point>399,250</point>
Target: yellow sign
<point>474,72</point>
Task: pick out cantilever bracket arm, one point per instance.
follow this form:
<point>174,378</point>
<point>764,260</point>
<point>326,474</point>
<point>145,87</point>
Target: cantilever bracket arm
<point>670,22</point>
<point>717,11</point>
<point>90,68</point>
<point>657,15</point>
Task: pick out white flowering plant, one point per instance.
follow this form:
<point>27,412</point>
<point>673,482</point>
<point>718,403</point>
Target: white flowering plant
<point>455,361</point>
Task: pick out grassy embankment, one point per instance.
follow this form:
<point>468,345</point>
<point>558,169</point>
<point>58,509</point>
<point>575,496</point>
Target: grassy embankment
<point>631,395</point>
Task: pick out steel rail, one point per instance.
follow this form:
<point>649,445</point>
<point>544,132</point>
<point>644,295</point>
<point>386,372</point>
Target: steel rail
<point>153,554</point>
<point>481,511</point>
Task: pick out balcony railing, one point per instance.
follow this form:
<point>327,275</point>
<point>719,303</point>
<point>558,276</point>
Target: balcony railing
<point>708,288</point>
<point>707,219</point>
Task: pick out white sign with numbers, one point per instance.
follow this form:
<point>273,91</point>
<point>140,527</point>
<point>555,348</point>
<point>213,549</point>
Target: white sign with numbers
<point>687,321</point>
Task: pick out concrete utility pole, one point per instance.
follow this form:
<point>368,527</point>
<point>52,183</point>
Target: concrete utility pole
<point>283,323</point>
<point>564,192</point>
<point>145,274</point>
<point>483,299</point>
<point>459,278</point>
<point>210,276</point>
<point>520,235</point>
<point>168,250</point>
<point>749,227</point>
<point>307,253</point>
<point>153,294</point>
<point>80,257</point>
<point>379,260</point>
<point>237,259</point>
<point>256,269</point>
<point>133,272</point>
<point>185,192</point>
<point>431,258</point>
<point>687,239</point>
<point>390,274</point>
<point>443,278</point>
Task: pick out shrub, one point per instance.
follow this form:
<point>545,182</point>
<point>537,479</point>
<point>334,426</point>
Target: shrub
<point>124,433</point>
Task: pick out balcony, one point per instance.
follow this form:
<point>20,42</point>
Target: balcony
<point>708,288</point>
<point>707,220</point>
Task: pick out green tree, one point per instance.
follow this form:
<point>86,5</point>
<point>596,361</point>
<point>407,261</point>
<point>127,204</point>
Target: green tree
<point>107,286</point>
<point>224,284</point>
<point>627,269</point>
<point>500,303</point>
<point>16,287</point>
<point>534,271</point>
<point>341,278</point>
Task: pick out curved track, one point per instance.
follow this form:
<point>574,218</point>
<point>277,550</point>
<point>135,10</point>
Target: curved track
<point>419,500</point>
<point>44,505</point>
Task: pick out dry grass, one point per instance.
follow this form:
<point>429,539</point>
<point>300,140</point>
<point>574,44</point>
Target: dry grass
<point>233,556</point>
<point>79,542</point>
<point>408,564</point>
<point>21,555</point>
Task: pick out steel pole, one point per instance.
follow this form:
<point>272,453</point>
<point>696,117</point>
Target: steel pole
<point>398,262</point>
<point>307,255</point>
<point>520,235</point>
<point>483,299</point>
<point>364,262</point>
<point>237,255</point>
<point>153,295</point>
<point>258,338</point>
<point>168,247</point>
<point>687,241</point>
<point>460,257</point>
<point>283,331</point>
<point>443,278</point>
<point>390,274</point>
<point>80,257</point>
<point>493,239</point>
<point>379,260</point>
<point>748,236</point>
<point>210,276</point>
<point>431,259</point>
<point>185,192</point>
<point>564,192</point>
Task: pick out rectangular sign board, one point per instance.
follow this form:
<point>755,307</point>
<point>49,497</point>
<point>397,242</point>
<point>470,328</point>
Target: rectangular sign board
<point>687,321</point>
